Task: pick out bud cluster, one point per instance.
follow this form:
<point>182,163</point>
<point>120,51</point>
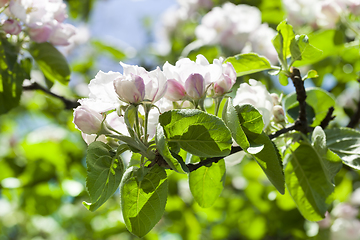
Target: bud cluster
<point>186,81</point>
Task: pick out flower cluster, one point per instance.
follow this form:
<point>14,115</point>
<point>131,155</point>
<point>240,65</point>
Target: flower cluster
<point>42,20</point>
<point>186,80</point>
<point>319,13</point>
<point>238,28</point>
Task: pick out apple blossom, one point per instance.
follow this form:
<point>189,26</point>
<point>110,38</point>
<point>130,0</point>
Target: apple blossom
<point>40,33</point>
<point>144,85</point>
<point>130,88</point>
<point>102,96</point>
<point>229,25</point>
<point>12,27</point>
<point>61,34</point>
<point>256,94</point>
<point>185,75</point>
<point>87,120</point>
<point>226,80</point>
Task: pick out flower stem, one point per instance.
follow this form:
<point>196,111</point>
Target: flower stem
<point>137,123</point>
<point>217,104</point>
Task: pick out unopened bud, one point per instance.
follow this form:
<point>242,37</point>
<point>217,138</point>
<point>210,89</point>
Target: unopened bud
<point>12,27</point>
<point>275,98</point>
<point>87,120</point>
<point>278,113</point>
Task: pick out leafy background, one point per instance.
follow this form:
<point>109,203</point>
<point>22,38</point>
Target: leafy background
<point>42,155</point>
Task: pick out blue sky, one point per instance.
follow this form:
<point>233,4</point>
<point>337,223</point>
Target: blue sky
<point>122,19</point>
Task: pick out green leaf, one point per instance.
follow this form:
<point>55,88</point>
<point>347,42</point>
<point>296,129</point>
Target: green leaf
<point>345,142</point>
<point>231,119</point>
<point>11,81</point>
<point>10,52</point>
<point>330,161</point>
<point>143,200</point>
<point>207,183</point>
<point>310,74</point>
<point>114,52</point>
<point>269,160</point>
<point>301,49</point>
<point>307,181</point>
<point>250,119</point>
<point>197,132</point>
<point>248,63</point>
<point>283,78</point>
<point>318,99</point>
<point>105,169</point>
<point>282,42</point>
<point>176,163</point>
<point>51,62</point>
<point>325,41</point>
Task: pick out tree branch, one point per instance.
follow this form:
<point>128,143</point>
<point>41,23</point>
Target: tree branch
<point>300,97</point>
<point>69,104</point>
<point>325,122</point>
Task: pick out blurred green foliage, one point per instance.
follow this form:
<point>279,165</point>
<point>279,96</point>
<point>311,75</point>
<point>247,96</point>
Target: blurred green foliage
<point>43,170</point>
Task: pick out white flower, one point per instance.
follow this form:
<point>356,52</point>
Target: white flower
<point>102,96</point>
<point>229,25</point>
<point>256,94</point>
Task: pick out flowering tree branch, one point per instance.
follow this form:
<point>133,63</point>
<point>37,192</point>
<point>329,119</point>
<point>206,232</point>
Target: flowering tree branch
<point>69,104</point>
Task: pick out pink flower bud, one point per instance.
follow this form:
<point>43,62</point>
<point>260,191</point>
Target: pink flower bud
<point>175,90</point>
<point>226,81</point>
<point>195,86</point>
<point>3,2</point>
<point>12,27</point>
<point>87,120</point>
<point>130,88</point>
<point>40,34</point>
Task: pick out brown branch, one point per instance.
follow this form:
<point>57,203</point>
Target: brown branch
<point>325,122</point>
<point>300,97</point>
<point>69,104</point>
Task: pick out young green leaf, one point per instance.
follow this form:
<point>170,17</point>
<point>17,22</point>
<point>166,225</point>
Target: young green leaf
<point>330,161</point>
<point>197,132</point>
<point>310,74</point>
<point>231,119</point>
<point>207,183</point>
<point>143,200</point>
<point>345,142</point>
<point>301,49</point>
<point>177,164</point>
<point>105,169</point>
<point>282,42</point>
<point>51,62</point>
<point>283,78</point>
<point>247,63</point>
<point>307,181</point>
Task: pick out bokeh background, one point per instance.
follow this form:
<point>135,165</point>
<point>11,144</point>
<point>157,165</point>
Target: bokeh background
<point>42,155</point>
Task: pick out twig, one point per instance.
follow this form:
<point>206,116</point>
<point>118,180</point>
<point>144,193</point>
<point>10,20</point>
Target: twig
<point>194,166</point>
<point>68,103</point>
<point>300,97</point>
<point>325,122</point>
